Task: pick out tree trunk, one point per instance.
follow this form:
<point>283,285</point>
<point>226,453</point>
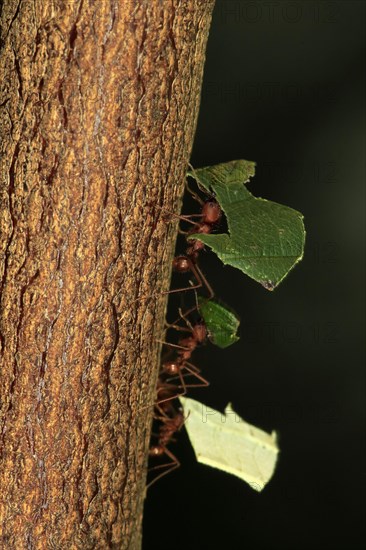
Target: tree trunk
<point>99,104</point>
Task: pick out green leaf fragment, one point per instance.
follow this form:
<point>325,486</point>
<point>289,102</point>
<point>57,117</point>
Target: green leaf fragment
<point>266,239</point>
<point>222,324</point>
<point>235,172</point>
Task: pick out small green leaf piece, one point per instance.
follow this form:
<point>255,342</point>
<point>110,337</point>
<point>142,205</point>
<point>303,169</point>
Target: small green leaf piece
<point>222,324</point>
<point>225,441</point>
<point>266,239</point>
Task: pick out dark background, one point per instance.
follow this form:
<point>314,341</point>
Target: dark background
<point>284,86</point>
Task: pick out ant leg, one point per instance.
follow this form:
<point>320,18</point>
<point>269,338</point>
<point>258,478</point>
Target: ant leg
<point>193,367</point>
<point>196,307</point>
<point>193,193</point>
<point>183,316</point>
<point>164,293</point>
<point>170,466</point>
<point>201,281</point>
<point>192,370</point>
<point>183,217</point>
<point>187,218</point>
<point>157,403</point>
<point>166,386</point>
<point>184,289</point>
<point>195,373</point>
<point>196,271</point>
<point>183,384</point>
<point>181,232</point>
<point>176,327</point>
<point>160,409</point>
<point>190,310</point>
<point>172,345</point>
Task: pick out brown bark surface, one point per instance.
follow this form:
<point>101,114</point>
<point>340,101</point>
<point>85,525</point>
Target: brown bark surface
<point>98,107</point>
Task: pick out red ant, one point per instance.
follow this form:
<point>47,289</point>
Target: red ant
<point>187,345</point>
<point>170,425</point>
<point>185,348</point>
<point>172,421</point>
<point>184,264</point>
<point>188,262</point>
<point>172,370</point>
<point>175,370</point>
<point>210,215</point>
<point>166,392</point>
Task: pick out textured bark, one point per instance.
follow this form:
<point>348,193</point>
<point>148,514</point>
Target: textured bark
<point>99,104</point>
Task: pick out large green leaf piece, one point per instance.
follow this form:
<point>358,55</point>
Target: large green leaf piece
<point>266,239</point>
<point>222,324</point>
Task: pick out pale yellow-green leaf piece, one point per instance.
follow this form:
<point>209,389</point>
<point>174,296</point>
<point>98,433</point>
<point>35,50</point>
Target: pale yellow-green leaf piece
<point>227,442</point>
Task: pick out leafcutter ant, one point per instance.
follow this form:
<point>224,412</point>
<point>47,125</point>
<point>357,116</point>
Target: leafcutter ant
<point>169,426</point>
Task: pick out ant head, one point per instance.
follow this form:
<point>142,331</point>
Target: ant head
<point>171,367</point>
<point>211,211</point>
<point>181,264</point>
<point>156,450</point>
